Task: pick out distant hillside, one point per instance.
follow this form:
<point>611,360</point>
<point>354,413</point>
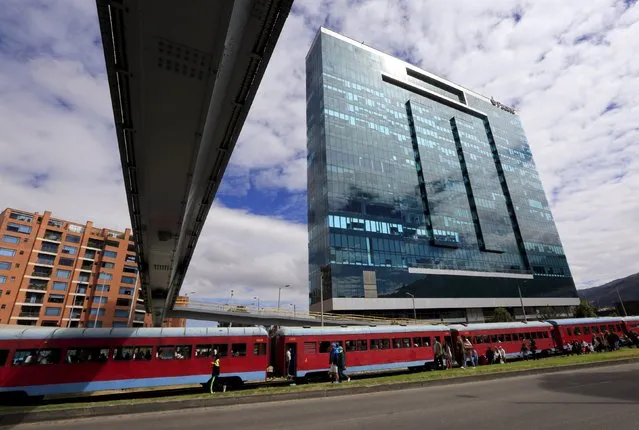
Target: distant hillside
<point>606,295</point>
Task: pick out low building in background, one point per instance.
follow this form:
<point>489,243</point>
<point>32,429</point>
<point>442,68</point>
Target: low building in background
<point>60,273</point>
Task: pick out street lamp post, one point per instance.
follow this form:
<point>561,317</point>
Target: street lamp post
<point>258,302</point>
<point>97,314</point>
<point>621,301</point>
<point>292,304</point>
<point>279,295</point>
<point>414,310</point>
<point>521,300</point>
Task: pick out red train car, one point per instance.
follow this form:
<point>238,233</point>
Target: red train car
<point>631,323</point>
<point>368,349</point>
<point>43,361</point>
<point>511,335</point>
<point>583,329</point>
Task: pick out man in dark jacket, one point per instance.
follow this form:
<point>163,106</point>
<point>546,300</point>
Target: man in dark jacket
<point>341,364</point>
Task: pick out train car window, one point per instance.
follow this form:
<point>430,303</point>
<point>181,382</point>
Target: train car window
<point>4,354</point>
<point>87,355</point>
<point>611,327</point>
<point>602,327</point>
<point>380,344</point>
<point>173,352</point>
<point>30,357</point>
<point>137,353</point>
<point>310,348</point>
<point>401,342</point>
<point>361,345</point>
<point>595,329</point>
<point>569,331</point>
<point>259,349</point>
<point>238,350</point>
<point>325,346</point>
<point>501,337</point>
<point>349,345</point>
<point>520,336</point>
<point>508,338</point>
<point>493,338</point>
<point>577,331</point>
<point>206,351</point>
<point>527,335</point>
<point>417,341</point>
<point>533,335</point>
<point>546,336</point>
<point>587,330</point>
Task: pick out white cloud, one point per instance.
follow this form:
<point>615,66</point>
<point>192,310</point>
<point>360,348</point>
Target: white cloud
<point>49,57</point>
<point>253,255</point>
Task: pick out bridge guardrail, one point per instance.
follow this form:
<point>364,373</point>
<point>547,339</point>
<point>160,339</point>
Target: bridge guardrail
<point>298,314</point>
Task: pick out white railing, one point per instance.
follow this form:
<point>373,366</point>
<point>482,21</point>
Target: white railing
<point>189,304</point>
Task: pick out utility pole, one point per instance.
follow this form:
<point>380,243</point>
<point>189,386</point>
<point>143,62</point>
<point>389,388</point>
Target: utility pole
<point>521,300</point>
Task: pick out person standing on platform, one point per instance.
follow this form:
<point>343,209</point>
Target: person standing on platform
<point>215,371</point>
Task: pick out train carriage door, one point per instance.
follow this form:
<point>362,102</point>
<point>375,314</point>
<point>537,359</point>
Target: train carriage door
<point>291,359</point>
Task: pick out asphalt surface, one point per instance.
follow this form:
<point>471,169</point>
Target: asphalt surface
<point>599,398</point>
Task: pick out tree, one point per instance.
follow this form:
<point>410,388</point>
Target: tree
<point>502,315</point>
<point>549,313</point>
<point>585,310</point>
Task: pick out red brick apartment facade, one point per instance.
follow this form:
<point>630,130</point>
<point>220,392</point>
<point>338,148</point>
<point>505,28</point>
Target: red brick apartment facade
<point>55,272</point>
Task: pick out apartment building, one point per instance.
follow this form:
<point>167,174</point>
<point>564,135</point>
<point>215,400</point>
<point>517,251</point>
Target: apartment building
<point>55,272</point>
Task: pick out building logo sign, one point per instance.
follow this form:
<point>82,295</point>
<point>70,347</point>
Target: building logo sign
<point>502,106</point>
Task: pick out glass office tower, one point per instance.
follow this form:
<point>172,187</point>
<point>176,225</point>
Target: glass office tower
<point>422,195</point>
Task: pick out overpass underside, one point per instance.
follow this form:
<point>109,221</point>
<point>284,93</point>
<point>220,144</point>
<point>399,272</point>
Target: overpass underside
<point>182,78</point>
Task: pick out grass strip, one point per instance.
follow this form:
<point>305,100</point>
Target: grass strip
<point>514,367</point>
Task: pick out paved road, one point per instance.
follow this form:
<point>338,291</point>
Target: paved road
<point>600,398</point>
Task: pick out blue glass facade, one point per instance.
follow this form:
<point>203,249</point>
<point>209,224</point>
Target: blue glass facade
<point>418,186</point>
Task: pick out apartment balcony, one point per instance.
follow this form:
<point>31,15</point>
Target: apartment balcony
<point>47,247</point>
<point>55,223</point>
<point>36,287</point>
<point>52,236</point>
<point>45,262</point>
<point>95,244</point>
<point>34,299</point>
<point>41,274</point>
<point>29,315</point>
<point>138,318</point>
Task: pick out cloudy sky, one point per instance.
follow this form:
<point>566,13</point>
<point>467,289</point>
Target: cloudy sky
<point>570,67</point>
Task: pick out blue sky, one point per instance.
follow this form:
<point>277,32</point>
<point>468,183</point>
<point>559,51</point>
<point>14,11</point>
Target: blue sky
<point>570,67</point>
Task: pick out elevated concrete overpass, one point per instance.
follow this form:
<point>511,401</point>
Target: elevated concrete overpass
<point>182,76</point>
<point>206,311</point>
